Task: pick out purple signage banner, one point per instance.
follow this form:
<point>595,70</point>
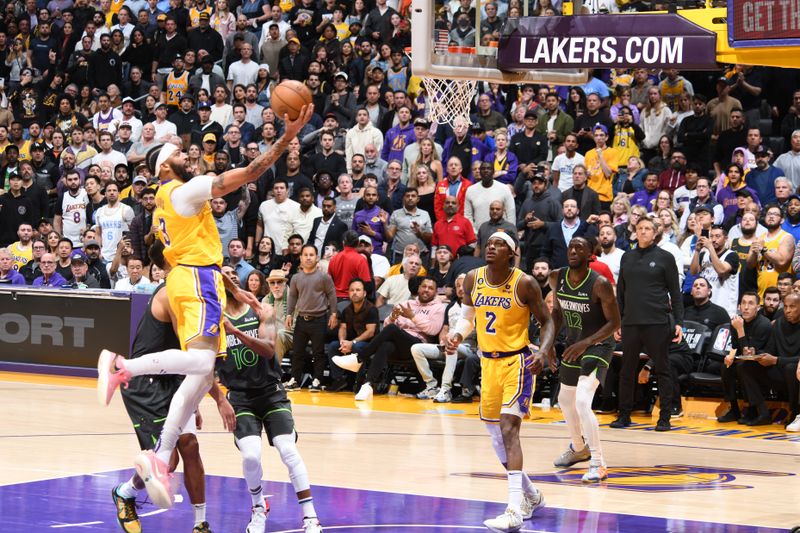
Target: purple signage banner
<point>605,41</point>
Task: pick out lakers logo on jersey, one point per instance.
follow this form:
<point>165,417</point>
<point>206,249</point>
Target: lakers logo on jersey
<point>177,86</point>
<point>501,321</point>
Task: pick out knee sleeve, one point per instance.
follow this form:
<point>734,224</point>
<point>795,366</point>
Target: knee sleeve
<point>287,449</point>
<point>499,446</point>
<point>204,359</point>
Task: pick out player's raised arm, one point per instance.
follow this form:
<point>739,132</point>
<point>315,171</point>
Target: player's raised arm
<point>231,180</point>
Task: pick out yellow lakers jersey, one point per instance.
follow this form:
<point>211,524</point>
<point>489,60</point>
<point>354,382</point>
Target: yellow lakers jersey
<point>191,241</point>
<point>194,15</point>
<point>767,273</point>
<point>501,320</point>
<point>21,256</point>
<point>177,86</point>
<point>625,143</point>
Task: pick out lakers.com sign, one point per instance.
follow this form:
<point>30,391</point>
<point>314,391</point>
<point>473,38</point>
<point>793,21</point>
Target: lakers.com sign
<point>602,41</point>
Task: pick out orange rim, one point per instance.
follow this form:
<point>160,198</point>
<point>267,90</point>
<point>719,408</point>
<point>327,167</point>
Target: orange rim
<point>461,49</point>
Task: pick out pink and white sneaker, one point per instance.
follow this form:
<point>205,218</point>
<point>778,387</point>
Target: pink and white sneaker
<point>157,479</point>
<point>109,377</point>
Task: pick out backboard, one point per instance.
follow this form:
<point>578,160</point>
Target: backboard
<point>434,56</point>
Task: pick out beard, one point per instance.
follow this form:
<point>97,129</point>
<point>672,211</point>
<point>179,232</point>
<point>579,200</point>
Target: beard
<point>540,278</point>
<point>748,232</point>
<point>772,226</point>
<point>181,172</point>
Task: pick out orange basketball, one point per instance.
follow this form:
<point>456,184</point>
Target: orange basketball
<point>289,97</point>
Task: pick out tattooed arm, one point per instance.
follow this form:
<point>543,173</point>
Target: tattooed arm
<point>233,179</point>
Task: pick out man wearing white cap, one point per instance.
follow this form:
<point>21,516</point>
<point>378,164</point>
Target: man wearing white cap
<point>498,302</point>
<point>195,292</point>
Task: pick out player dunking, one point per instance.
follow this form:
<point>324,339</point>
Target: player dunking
<point>195,291</point>
<point>257,400</point>
<point>147,400</point>
<point>498,302</point>
<point>585,301</point>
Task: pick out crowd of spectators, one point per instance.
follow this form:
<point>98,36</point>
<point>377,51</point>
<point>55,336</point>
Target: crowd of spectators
<point>393,208</point>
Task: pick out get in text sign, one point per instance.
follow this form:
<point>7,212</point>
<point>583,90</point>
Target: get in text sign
<point>604,41</point>
<point>763,23</point>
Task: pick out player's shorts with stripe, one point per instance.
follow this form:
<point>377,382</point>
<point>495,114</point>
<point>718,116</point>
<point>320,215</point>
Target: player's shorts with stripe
<point>593,361</point>
<point>197,298</point>
<point>506,386</point>
<point>147,400</point>
<point>269,410</point>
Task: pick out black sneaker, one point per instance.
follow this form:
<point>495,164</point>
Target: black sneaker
<point>622,421</point>
<point>464,397</point>
<point>730,416</point>
<point>315,386</point>
<point>663,424</point>
<point>765,420</point>
<point>203,527</point>
<point>126,512</point>
<point>677,412</point>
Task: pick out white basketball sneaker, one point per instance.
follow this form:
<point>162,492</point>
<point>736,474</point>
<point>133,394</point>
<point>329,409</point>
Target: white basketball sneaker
<point>794,427</point>
<point>531,501</point>
<point>595,474</point>
<point>507,522</point>
<point>258,519</point>
<point>311,525</point>
<point>365,393</point>
<point>348,362</point>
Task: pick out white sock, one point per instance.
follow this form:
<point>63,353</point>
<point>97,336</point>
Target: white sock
<point>183,405</point>
<point>250,448</point>
<point>298,474</point>
<point>566,399</point>
<point>127,489</point>
<point>515,489</point>
<point>191,362</point>
<point>527,484</point>
<point>199,513</point>
<point>496,435</point>
<point>587,385</point>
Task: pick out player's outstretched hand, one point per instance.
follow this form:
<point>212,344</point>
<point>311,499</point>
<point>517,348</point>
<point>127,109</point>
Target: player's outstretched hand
<point>228,416</point>
<point>293,127</point>
<point>452,343</point>
<point>535,362</point>
<point>247,297</point>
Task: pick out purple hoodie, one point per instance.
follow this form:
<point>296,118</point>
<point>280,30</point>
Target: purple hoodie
<point>56,280</point>
<point>396,140</point>
<point>726,197</point>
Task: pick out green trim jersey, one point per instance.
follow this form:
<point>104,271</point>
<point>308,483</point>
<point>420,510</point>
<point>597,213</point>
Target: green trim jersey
<point>582,316</point>
<point>242,369</point>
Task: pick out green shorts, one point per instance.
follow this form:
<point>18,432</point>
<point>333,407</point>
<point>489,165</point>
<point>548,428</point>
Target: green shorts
<point>594,360</point>
<point>147,400</point>
<point>271,412</point>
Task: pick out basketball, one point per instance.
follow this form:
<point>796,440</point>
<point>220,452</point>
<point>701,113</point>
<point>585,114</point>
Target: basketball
<point>289,97</point>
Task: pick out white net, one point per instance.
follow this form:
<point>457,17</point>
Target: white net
<point>448,100</point>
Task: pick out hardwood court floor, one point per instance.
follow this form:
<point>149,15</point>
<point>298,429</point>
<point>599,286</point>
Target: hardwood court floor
<point>52,428</point>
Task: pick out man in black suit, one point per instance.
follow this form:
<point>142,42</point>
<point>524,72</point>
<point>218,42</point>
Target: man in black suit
<point>586,198</point>
<point>295,65</point>
<point>560,233</point>
<point>327,228</point>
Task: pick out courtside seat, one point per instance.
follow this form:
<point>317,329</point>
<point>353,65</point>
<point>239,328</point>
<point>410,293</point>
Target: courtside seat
<point>719,348</point>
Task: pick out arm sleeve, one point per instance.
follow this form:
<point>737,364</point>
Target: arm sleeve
<point>189,198</point>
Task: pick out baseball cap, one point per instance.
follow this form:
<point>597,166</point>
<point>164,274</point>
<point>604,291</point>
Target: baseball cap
<point>78,255</point>
<point>264,66</point>
<point>178,56</point>
<point>744,191</point>
<point>139,179</point>
<point>530,113</point>
<point>761,150</point>
<point>294,40</point>
<point>209,137</point>
<point>161,18</point>
<point>125,125</point>
<point>127,99</point>
<point>162,104</point>
<point>331,115</point>
<point>187,97</point>
<point>204,105</point>
<point>477,126</point>
<point>422,122</point>
<point>340,74</point>
<point>705,208</point>
<point>538,176</point>
<point>793,197</point>
<point>600,127</point>
<point>204,15</point>
<point>38,147</point>
<point>365,238</point>
<point>91,243</point>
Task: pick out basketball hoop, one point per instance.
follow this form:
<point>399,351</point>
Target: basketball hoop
<point>447,100</point>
